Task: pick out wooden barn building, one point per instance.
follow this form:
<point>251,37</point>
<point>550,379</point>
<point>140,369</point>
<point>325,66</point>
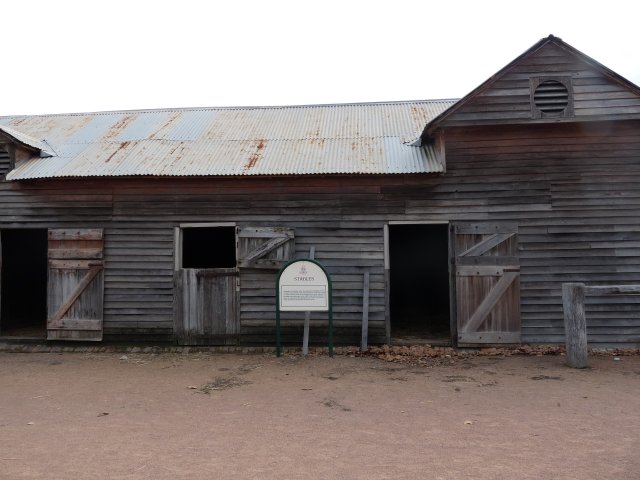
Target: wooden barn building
<point>450,221</point>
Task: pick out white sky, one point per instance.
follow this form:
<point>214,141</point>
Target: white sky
<point>93,55</point>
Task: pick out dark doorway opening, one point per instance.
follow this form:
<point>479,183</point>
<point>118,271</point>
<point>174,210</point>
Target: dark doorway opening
<point>24,283</point>
<point>209,247</point>
<point>419,297</point>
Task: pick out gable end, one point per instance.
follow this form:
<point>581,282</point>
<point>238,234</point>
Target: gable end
<point>592,92</point>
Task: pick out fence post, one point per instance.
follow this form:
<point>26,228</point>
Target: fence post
<point>365,313</point>
<point>307,315</point>
<point>575,324</point>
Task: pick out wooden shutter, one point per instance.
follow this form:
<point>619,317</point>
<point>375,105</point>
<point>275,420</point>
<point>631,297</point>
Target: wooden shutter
<point>487,283</point>
<point>75,284</point>
<point>265,247</point>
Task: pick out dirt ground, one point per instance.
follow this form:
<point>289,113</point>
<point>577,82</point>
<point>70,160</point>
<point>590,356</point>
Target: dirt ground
<point>254,416</point>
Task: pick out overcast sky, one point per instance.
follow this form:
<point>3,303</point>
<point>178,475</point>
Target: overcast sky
<point>93,55</point>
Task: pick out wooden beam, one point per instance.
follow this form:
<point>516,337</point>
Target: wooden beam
<point>483,338</point>
<point>487,244</point>
<point>480,270</point>
<point>387,285</point>
<point>575,324</point>
<point>613,290</point>
<point>73,264</point>
<point>264,232</point>
<point>78,252</point>
<point>94,324</point>
<point>77,234</point>
<point>484,229</point>
<point>307,315</point>
<point>365,313</point>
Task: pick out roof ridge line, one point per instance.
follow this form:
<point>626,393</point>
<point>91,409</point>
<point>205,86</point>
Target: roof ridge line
<point>239,107</point>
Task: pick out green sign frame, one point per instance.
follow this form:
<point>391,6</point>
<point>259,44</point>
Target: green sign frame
<point>329,307</point>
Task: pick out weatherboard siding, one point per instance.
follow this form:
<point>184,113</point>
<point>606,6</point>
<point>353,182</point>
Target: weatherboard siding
<point>572,190</point>
<point>313,208</point>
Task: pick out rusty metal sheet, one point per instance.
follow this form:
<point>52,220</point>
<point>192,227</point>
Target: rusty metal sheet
<point>372,138</point>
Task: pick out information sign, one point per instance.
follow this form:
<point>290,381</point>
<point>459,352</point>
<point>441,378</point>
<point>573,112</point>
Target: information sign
<point>304,287</point>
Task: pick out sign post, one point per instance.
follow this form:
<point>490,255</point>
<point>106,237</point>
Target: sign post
<point>303,286</point>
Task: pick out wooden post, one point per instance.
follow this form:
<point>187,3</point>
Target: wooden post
<point>387,282</point>
<point>365,314</point>
<point>575,324</point>
<point>307,315</point>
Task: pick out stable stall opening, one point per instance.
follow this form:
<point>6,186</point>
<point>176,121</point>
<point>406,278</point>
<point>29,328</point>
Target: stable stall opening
<point>209,247</point>
<point>24,283</point>
<point>419,282</point>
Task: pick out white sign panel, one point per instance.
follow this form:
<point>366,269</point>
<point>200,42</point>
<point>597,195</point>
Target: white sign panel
<point>304,287</point>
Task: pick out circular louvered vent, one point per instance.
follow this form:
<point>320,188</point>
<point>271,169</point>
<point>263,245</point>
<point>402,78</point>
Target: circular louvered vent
<point>551,97</point>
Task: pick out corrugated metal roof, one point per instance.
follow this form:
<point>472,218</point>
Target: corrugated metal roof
<point>370,138</point>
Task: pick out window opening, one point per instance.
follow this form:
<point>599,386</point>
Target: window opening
<point>209,247</point>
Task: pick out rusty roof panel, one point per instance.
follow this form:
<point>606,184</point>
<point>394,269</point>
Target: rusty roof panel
<point>299,140</point>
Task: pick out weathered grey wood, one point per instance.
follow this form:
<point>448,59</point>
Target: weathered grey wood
<point>76,234</point>
<point>571,191</point>
<point>575,324</point>
<point>307,315</point>
<point>55,319</point>
<point>266,232</point>
<point>265,247</point>
<point>480,270</point>
<point>84,324</point>
<point>74,294</point>
<point>487,295</point>
<point>387,285</point>
<point>73,264</point>
<point>484,228</point>
<point>613,290</point>
<point>486,244</point>
<point>207,306</point>
<point>471,339</point>
<point>72,253</point>
<point>490,301</point>
<point>1,300</point>
<point>387,317</point>
<point>364,343</point>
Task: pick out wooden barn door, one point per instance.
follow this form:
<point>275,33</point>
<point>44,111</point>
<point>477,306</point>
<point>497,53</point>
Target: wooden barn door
<point>207,312</point>
<point>487,283</point>
<point>75,284</point>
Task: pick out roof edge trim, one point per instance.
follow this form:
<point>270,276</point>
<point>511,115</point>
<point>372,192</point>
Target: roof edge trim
<point>29,142</point>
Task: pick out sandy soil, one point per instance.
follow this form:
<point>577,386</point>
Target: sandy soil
<point>196,416</point>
